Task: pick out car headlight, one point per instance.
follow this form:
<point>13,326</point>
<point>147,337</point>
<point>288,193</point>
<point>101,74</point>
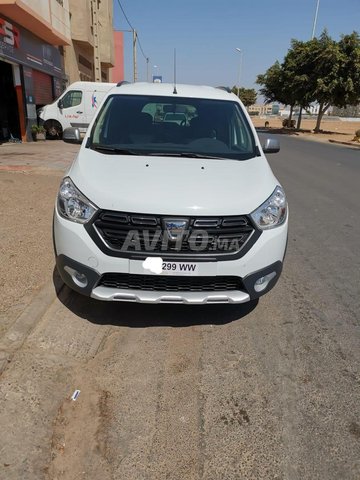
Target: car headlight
<point>72,204</point>
<point>272,212</point>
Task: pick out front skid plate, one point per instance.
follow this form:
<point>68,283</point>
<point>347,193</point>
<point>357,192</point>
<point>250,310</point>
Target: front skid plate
<point>193,298</point>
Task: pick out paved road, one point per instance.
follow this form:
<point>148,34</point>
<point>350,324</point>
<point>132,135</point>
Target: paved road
<point>268,391</point>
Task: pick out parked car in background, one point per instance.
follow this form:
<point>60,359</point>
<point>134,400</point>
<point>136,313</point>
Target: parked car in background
<point>179,118</point>
<point>76,107</point>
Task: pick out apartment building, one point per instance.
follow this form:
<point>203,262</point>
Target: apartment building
<point>90,55</point>
<point>31,64</point>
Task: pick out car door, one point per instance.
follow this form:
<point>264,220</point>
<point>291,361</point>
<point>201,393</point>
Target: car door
<point>72,110</point>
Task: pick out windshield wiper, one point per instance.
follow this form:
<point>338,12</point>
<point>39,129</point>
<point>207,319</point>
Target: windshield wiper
<point>186,154</point>
<point>108,149</point>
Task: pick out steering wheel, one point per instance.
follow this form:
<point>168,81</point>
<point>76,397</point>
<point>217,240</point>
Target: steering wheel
<point>183,123</point>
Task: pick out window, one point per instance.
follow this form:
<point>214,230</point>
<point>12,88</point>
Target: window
<point>175,126</point>
<point>72,99</point>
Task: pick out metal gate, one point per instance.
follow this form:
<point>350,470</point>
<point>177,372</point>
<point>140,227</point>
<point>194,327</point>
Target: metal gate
<point>42,84</point>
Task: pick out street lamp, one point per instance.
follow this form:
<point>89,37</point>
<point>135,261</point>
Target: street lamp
<point>240,67</point>
<point>315,19</point>
<point>147,69</point>
<point>154,71</point>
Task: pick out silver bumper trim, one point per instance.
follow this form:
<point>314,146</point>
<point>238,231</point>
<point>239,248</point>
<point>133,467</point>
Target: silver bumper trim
<point>190,298</point>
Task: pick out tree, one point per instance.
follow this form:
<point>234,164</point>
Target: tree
<point>323,63</point>
<point>335,72</point>
<point>347,90</point>
<point>296,72</point>
<point>320,70</point>
<point>277,86</point>
<point>247,95</point>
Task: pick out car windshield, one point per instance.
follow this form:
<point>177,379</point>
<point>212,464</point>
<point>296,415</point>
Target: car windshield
<point>174,126</point>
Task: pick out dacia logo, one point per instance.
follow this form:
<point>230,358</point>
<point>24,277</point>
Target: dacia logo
<point>175,228</point>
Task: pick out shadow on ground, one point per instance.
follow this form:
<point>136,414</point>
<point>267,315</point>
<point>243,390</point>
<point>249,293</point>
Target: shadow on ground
<point>135,315</point>
<point>280,131</point>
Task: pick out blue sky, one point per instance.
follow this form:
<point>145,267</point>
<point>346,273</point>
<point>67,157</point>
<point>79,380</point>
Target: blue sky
<point>205,34</point>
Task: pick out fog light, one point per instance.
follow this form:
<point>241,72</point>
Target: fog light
<point>262,282</point>
<point>78,278</point>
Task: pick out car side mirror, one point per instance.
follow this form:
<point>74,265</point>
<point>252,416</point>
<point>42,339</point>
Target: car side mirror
<point>271,145</point>
<point>72,135</point>
<point>60,104</point>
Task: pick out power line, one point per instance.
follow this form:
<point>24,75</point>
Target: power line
<point>133,29</point>
<point>141,49</point>
<point>126,18</point>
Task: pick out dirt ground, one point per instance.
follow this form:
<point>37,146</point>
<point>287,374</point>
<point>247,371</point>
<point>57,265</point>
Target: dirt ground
<point>337,130</point>
<point>30,175</point>
<point>262,391</point>
<point>26,254</point>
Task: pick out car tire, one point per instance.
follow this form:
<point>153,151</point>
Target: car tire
<point>53,130</point>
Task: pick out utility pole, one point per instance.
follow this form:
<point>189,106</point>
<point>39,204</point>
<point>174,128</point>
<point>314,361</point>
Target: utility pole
<point>312,38</point>
<point>147,69</point>
<point>240,70</point>
<point>134,54</point>
<point>95,22</point>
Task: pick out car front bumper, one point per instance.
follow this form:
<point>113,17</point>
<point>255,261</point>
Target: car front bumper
<point>78,257</point>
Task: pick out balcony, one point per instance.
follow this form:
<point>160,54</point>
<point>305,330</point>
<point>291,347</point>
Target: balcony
<point>81,23</point>
<point>48,19</point>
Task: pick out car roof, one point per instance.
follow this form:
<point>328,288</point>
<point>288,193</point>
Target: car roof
<point>91,85</point>
<point>167,89</point>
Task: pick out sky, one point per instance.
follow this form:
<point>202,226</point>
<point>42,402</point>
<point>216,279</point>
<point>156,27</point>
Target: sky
<point>206,34</point>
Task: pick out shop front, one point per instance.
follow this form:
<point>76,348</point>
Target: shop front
<point>31,75</point>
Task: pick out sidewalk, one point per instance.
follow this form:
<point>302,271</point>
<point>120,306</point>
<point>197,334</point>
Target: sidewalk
<point>336,132</point>
<point>40,157</point>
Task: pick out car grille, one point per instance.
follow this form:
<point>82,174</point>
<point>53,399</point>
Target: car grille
<point>147,234</point>
<point>170,283</point>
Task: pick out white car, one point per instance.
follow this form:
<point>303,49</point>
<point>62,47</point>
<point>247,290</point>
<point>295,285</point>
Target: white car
<point>75,107</point>
<point>152,211</point>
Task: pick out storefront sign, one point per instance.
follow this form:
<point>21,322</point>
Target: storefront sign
<point>9,34</point>
<point>21,46</point>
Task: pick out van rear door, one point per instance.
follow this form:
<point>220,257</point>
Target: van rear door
<point>93,100</point>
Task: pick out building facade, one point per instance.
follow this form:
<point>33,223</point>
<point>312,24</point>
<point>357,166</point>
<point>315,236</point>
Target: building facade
<point>90,55</point>
<point>117,73</point>
<point>264,109</point>
<point>31,62</point>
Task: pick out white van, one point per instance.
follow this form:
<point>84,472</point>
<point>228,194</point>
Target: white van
<point>74,108</point>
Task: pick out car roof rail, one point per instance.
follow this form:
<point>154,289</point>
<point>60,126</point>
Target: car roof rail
<point>227,89</point>
<point>123,82</point>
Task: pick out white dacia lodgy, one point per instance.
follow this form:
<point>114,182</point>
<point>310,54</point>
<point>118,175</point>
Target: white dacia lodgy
<point>161,211</point>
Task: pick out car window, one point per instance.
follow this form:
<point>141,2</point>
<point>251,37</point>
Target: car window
<point>72,98</point>
<point>174,125</point>
<point>175,117</point>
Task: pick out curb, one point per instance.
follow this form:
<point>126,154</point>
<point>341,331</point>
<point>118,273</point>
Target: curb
<point>344,143</point>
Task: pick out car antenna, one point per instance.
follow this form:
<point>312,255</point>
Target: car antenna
<point>175,91</point>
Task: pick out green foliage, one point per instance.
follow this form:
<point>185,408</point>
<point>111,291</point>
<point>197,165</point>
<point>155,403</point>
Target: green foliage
<point>247,95</point>
<point>320,70</point>
<point>276,85</point>
<point>37,129</point>
<point>287,122</point>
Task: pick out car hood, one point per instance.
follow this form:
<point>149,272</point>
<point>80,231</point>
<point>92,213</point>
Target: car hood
<point>172,185</point>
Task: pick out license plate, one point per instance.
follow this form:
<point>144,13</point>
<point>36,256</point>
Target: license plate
<point>159,266</point>
<point>180,268</point>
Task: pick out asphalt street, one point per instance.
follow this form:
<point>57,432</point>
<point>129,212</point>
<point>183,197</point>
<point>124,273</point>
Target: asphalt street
<point>262,391</point>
